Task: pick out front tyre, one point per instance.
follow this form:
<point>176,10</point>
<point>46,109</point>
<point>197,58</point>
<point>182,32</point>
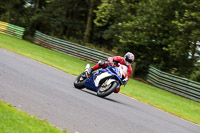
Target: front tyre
<point>79,82</point>
<point>104,93</point>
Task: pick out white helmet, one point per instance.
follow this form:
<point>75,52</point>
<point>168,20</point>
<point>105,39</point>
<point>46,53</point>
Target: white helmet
<point>128,58</point>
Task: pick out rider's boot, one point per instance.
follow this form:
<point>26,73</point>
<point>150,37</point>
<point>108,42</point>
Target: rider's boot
<point>90,71</point>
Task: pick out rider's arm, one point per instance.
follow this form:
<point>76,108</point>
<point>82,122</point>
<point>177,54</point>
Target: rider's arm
<point>116,59</point>
<point>119,59</point>
<point>110,59</point>
<point>128,75</point>
<point>129,71</point>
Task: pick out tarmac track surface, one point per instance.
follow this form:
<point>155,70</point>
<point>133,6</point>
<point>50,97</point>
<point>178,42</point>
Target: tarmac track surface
<point>48,93</point>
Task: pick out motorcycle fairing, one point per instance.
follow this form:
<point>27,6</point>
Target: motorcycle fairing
<point>101,76</point>
<point>110,71</point>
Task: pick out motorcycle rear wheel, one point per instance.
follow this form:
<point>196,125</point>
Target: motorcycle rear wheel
<point>79,82</point>
<point>107,91</point>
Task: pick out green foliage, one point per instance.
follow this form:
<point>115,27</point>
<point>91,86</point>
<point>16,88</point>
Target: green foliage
<point>162,33</point>
<point>196,73</point>
<point>62,18</point>
<point>196,76</point>
<point>158,32</point>
<point>11,11</point>
<point>187,23</point>
<point>29,38</point>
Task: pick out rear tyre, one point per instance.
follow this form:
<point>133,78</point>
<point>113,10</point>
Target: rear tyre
<point>79,82</point>
<point>107,91</point>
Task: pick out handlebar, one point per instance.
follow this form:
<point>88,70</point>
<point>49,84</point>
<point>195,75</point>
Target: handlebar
<point>115,63</point>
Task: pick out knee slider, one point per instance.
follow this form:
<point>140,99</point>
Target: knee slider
<point>101,63</point>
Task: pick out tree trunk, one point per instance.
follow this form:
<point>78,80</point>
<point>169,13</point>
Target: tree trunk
<point>88,28</point>
<point>39,4</point>
<point>194,47</point>
<point>36,5</point>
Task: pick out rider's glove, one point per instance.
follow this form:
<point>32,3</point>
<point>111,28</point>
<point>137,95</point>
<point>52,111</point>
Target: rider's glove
<point>124,81</point>
<point>112,64</point>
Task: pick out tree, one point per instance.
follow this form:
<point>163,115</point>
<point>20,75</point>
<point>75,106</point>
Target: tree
<point>186,44</point>
<point>165,34</point>
<point>11,11</point>
<point>161,33</point>
<point>111,16</point>
<point>90,15</point>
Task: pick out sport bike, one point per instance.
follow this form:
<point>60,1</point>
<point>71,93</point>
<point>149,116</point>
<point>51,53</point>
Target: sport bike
<point>104,81</point>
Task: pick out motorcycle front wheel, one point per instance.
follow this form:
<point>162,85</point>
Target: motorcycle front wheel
<point>105,92</point>
<point>79,82</point>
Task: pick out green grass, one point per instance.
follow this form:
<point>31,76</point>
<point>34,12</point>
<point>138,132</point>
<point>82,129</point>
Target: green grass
<point>14,121</point>
<point>174,104</point>
<point>66,63</point>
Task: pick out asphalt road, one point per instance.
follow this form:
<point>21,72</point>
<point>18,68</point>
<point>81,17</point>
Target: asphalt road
<point>48,93</point>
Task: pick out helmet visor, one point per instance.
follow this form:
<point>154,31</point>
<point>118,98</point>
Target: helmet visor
<point>128,61</point>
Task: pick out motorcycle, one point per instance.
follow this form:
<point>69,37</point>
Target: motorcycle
<point>105,81</point>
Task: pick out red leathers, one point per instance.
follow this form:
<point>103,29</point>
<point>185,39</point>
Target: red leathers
<point>117,59</point>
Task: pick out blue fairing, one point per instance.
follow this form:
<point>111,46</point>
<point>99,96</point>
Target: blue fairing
<point>115,71</point>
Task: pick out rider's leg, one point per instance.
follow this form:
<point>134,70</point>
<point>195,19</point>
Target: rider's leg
<point>100,64</point>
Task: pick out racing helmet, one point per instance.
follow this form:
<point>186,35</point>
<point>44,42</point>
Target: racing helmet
<point>128,58</point>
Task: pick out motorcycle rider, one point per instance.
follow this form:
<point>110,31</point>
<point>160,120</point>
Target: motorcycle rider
<point>126,60</point>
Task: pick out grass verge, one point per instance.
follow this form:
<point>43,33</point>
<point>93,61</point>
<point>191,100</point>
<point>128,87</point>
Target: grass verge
<point>14,121</point>
<point>174,104</point>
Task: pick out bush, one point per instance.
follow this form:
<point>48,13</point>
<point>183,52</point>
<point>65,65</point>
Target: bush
<point>29,38</point>
<point>195,76</point>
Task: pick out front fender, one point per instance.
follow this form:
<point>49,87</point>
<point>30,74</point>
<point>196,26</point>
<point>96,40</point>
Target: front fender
<point>113,80</point>
<point>100,77</point>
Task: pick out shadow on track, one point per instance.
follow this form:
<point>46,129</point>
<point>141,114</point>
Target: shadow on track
<point>107,98</point>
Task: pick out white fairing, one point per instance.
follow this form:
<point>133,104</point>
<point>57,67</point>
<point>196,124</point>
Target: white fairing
<point>123,67</point>
<point>123,70</point>
<point>101,76</point>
